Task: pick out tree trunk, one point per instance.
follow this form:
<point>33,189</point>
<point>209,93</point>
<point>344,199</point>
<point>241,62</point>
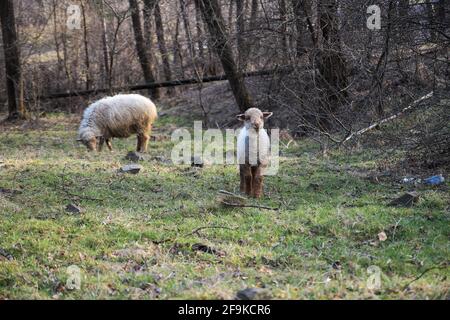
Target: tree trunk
<point>230,13</point>
<point>310,10</point>
<point>144,59</point>
<point>252,50</point>
<point>59,67</point>
<point>162,42</point>
<point>253,14</point>
<point>443,24</point>
<point>14,85</point>
<point>431,21</point>
<point>213,18</point>
<point>284,38</point>
<point>104,44</point>
<point>177,54</point>
<point>198,23</point>
<point>187,28</point>
<point>86,47</point>
<point>149,8</point>
<point>240,29</point>
<point>331,63</point>
<point>297,9</point>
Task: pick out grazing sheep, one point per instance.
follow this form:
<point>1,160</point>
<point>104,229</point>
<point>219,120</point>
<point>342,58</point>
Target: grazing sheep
<point>117,117</point>
<point>253,151</point>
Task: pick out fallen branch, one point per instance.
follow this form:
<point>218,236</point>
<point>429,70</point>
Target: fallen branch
<point>234,200</point>
<point>376,124</point>
<point>195,231</point>
<point>249,206</point>
<point>423,273</point>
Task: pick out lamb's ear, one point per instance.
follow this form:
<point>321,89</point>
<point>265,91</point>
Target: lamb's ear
<point>241,117</point>
<point>267,115</point>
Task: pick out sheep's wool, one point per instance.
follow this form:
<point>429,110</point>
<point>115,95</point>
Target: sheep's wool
<point>253,147</point>
<point>117,116</point>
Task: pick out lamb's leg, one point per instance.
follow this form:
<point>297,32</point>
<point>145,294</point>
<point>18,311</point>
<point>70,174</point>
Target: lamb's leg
<point>257,182</point>
<point>248,179</point>
<point>242,178</point>
<point>109,144</point>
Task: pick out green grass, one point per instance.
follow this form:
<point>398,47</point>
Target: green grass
<point>328,216</point>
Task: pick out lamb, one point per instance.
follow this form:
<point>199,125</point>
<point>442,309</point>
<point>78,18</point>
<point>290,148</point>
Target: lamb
<point>253,147</point>
<point>119,116</point>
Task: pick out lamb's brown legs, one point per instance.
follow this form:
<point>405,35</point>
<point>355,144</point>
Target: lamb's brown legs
<point>242,176</point>
<point>246,178</point>
<point>257,182</point>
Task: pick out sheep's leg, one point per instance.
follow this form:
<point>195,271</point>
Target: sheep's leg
<point>257,182</point>
<point>145,140</point>
<point>109,144</point>
<point>101,141</point>
<point>139,143</point>
<point>142,142</point>
<point>147,136</point>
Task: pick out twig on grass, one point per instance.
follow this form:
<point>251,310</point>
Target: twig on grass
<point>423,273</point>
<point>195,231</point>
<point>249,206</point>
<point>227,198</point>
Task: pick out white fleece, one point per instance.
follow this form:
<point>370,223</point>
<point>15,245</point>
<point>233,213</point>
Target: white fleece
<point>253,147</point>
<point>118,113</point>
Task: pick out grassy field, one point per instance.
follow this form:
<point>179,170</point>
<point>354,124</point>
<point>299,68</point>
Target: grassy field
<point>134,238</point>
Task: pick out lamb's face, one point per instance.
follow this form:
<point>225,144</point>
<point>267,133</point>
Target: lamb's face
<point>254,118</point>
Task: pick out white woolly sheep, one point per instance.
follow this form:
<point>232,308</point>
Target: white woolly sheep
<point>253,151</point>
<point>119,116</point>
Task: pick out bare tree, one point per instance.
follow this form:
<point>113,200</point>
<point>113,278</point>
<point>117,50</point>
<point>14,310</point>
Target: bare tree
<point>162,42</point>
<point>283,30</point>
<point>119,18</point>
<point>212,15</point>
<point>187,29</point>
<point>59,67</point>
<point>178,54</point>
<point>198,24</point>
<point>144,59</point>
<point>104,38</point>
<point>149,31</point>
<point>331,62</point>
<point>86,47</point>
<point>297,9</point>
<point>240,29</point>
<point>13,72</point>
